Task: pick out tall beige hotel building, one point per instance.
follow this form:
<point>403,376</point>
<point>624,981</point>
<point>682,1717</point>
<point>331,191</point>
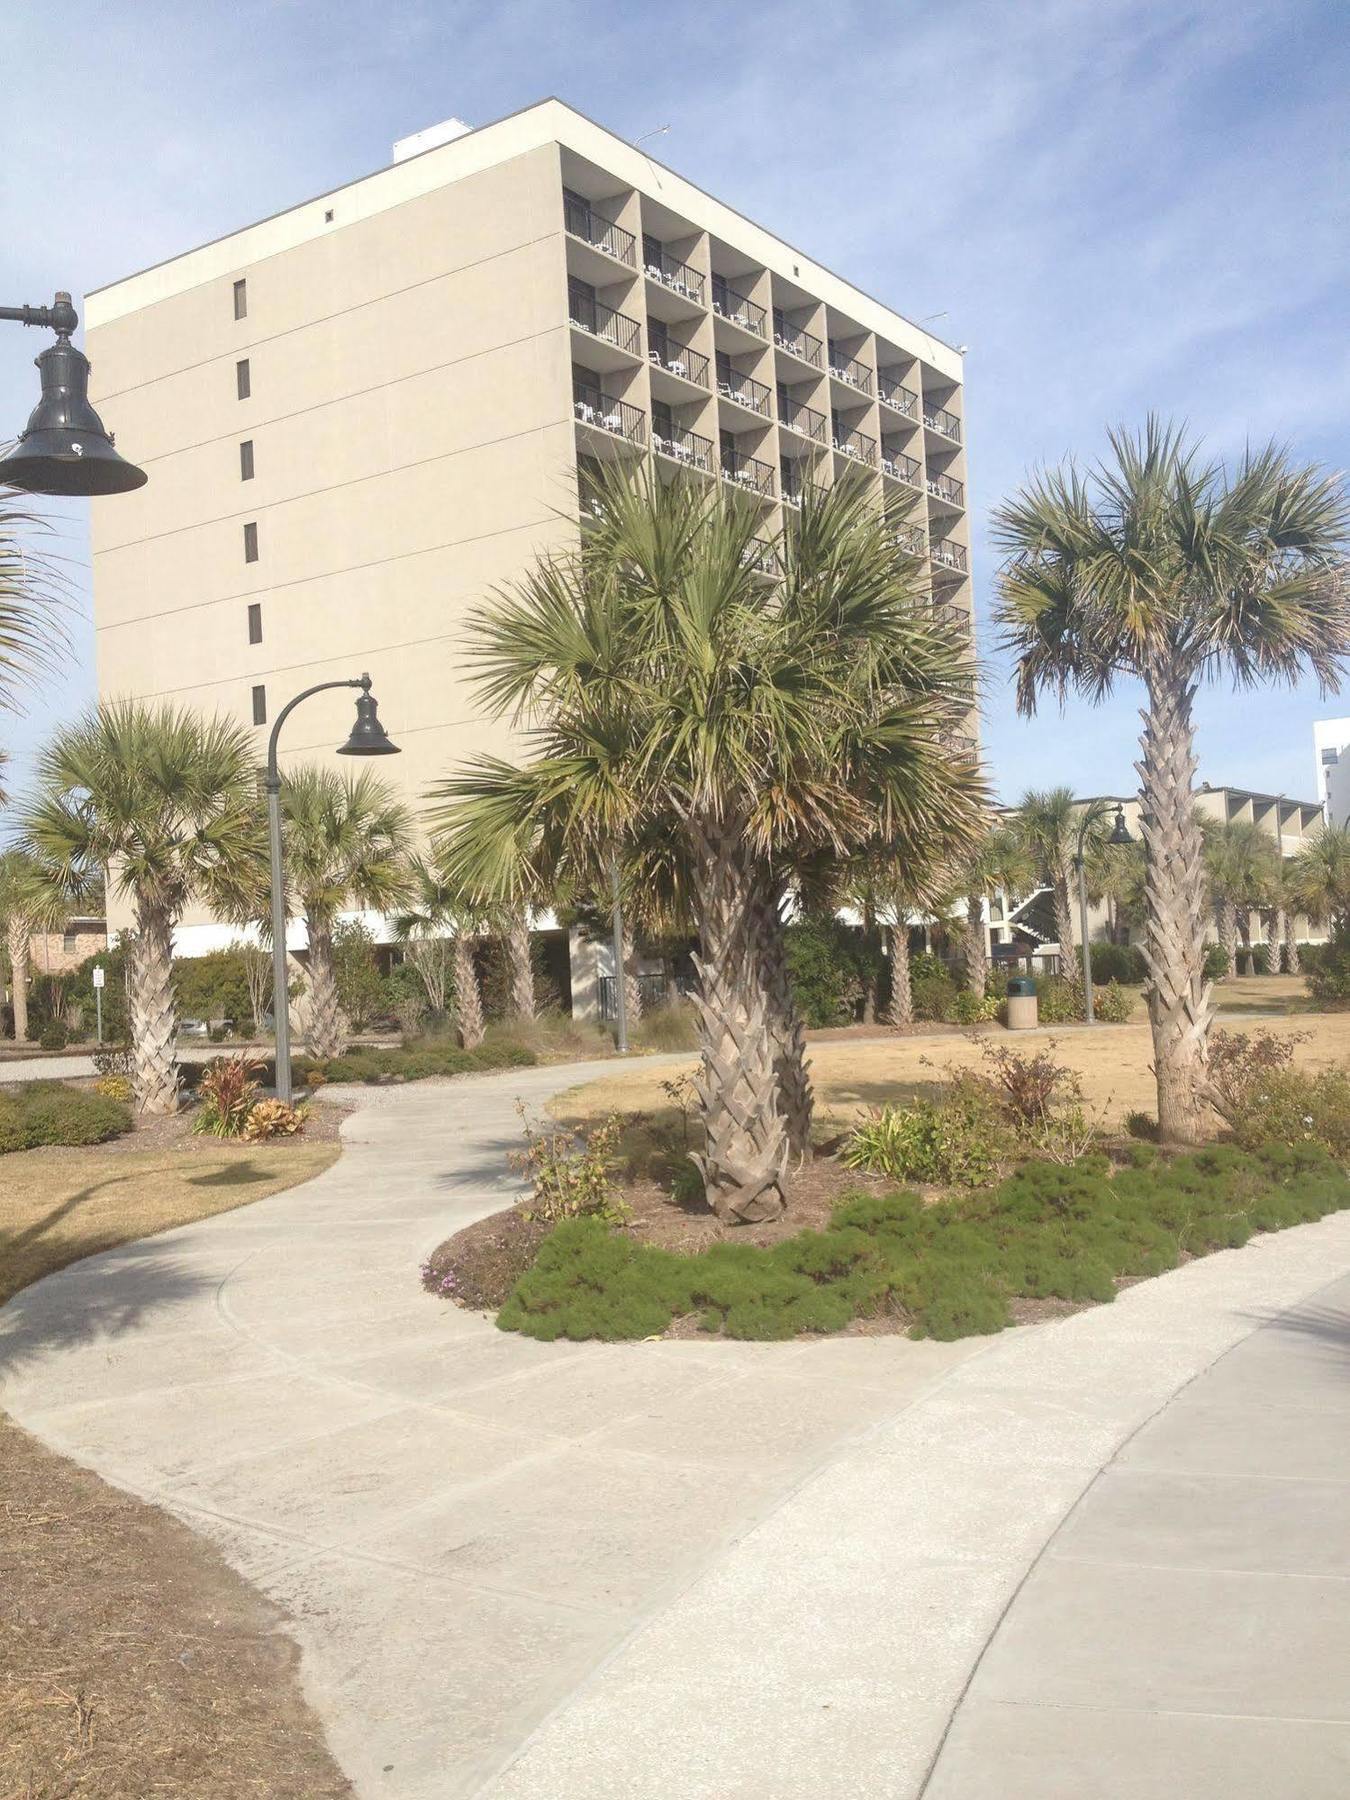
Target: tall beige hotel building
<point>361,415</point>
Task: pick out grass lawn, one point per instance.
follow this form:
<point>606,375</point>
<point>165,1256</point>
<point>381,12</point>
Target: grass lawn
<point>133,1660</point>
<point>1113,1062</point>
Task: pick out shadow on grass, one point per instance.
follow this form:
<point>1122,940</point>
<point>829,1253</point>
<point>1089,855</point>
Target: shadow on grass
<point>238,1174</point>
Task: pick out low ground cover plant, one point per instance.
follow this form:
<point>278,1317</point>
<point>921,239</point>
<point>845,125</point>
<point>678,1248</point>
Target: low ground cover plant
<point>1259,1094</point>
<point>49,1112</point>
<point>946,1270</point>
<point>417,1061</point>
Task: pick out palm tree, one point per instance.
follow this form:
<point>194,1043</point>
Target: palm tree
<point>1116,874</point>
<point>21,910</point>
<point>520,964</point>
<point>348,840</point>
<point>999,863</point>
<point>1240,864</point>
<point>436,913</point>
<point>34,600</point>
<point>1168,570</point>
<point>673,687</point>
<point>1319,877</point>
<point>1047,823</point>
<point>165,803</point>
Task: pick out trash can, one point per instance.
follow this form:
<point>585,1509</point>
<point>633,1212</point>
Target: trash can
<point>1022,1003</point>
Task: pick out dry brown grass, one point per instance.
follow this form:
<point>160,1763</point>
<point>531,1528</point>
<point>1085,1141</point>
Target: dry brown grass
<point>133,1661</point>
<point>1112,1062</point>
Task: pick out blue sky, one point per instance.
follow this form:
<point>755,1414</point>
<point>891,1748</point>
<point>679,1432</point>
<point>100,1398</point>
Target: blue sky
<point>1116,205</point>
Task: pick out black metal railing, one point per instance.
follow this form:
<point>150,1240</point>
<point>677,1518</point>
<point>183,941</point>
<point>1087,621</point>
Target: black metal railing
<point>897,396</point>
<point>679,359</point>
<point>661,266</point>
<point>603,322</point>
<point>946,424</point>
<point>950,555</point>
<point>792,482</point>
<point>910,539</point>
<point>604,234</point>
<point>737,307</point>
<point>952,618</point>
<point>683,446</point>
<point>900,467</point>
<point>801,344</point>
<point>853,444</point>
<point>849,369</point>
<point>946,487</point>
<point>761,556</point>
<point>797,416</point>
<point>960,743</point>
<point>744,389</point>
<point>593,406</point>
<point>747,471</point>
<point>655,991</point>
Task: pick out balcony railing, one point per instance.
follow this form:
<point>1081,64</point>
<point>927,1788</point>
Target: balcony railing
<point>910,539</point>
<point>800,344</point>
<point>736,307</point>
<point>900,467</point>
<point>760,555</point>
<point>792,482</point>
<point>745,389</point>
<point>853,443</point>
<point>960,743</point>
<point>945,487</point>
<point>950,555</point>
<point>603,322</point>
<point>661,266</point>
<point>849,369</point>
<point>683,446</point>
<point>799,417</point>
<point>680,359</point>
<point>951,618</point>
<point>747,471</point>
<point>897,396</point>
<point>946,424</point>
<point>604,234</point>
<point>593,406</point>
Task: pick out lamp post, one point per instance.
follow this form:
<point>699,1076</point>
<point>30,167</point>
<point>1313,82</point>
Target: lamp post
<point>1119,835</point>
<point>65,448</point>
<point>367,739</point>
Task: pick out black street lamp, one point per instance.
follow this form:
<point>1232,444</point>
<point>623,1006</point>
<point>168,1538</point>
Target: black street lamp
<point>1120,834</point>
<point>367,738</point>
<point>65,448</point>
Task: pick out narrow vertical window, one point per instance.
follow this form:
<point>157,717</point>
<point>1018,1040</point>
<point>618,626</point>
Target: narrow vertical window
<point>246,460</point>
<point>260,706</point>
<point>243,386</point>
<point>241,299</point>
<point>251,542</point>
<point>255,622</point>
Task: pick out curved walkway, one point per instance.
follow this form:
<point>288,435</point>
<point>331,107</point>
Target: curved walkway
<point>696,1569</point>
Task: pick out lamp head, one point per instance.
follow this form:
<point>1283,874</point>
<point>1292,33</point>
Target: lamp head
<point>65,447</point>
<point>368,736</point>
<point>1120,831</point>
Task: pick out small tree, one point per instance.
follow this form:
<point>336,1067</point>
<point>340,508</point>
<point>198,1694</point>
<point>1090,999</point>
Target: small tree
<point>1240,867</point>
<point>999,864</point>
<point>21,905</point>
<point>257,966</point>
<point>439,917</point>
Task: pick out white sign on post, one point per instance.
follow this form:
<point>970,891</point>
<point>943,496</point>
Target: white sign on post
<point>98,976</point>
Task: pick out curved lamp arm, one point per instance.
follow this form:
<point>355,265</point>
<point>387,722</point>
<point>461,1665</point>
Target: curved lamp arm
<point>320,687</point>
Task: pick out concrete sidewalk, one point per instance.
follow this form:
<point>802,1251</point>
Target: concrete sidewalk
<point>669,1569</point>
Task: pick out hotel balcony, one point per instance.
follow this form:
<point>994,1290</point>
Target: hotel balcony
<point>946,424</point>
<point>900,467</point>
<point>899,398</point>
<point>960,743</point>
<point>855,446</point>
<point>850,371</point>
<point>687,448</point>
<point>602,234</point>
<point>680,360</point>
<point>736,308</point>
<point>794,415</point>
<point>669,272</point>
<point>801,344</point>
<point>949,555</point>
<point>745,391</point>
<point>910,539</point>
<point>604,323</point>
<point>947,490</point>
<point>748,472</point>
<point>602,412</point>
<point>951,618</point>
<point>760,556</point>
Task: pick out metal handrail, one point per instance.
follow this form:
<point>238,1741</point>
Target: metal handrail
<point>745,389</point>
<point>602,233</point>
<point>603,322</point>
<point>900,467</point>
<point>910,539</point>
<point>760,554</point>
<point>853,443</point>
<point>800,417</point>
<point>679,359</point>
<point>849,369</point>
<point>593,406</point>
<point>945,487</point>
<point>749,471</point>
<point>950,555</point>
<point>737,307</point>
<point>661,266</point>
<point>946,424</point>
<point>897,396</point>
<point>802,344</point>
<point>682,446</point>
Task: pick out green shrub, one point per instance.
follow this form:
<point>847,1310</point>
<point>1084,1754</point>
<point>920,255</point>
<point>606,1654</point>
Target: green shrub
<point>936,996</point>
<point>970,1009</point>
<point>1122,963</point>
<point>826,962</point>
<point>1328,977</point>
<point>569,1172</point>
<point>54,1036</point>
<point>1113,1005</point>
<point>214,986</point>
<point>670,1027</point>
<point>1059,1002</point>
<point>945,1271</point>
<point>419,1060</point>
<point>1216,966</point>
<point>49,1112</point>
<point>957,1140</point>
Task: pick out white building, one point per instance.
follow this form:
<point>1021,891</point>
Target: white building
<point>1331,742</point>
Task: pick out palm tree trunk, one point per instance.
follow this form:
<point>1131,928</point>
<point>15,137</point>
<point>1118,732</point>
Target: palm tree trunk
<point>795,1094</point>
<point>522,968</point>
<point>977,954</point>
<point>1275,941</point>
<point>1179,998</point>
<point>869,973</point>
<point>324,1035</point>
<point>902,993</point>
<point>468,993</point>
<point>17,943</point>
<point>632,984</point>
<point>1244,924</point>
<point>745,1147</point>
<point>1292,964</point>
<point>1228,933</point>
<point>1068,963</point>
<point>154,1012</point>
